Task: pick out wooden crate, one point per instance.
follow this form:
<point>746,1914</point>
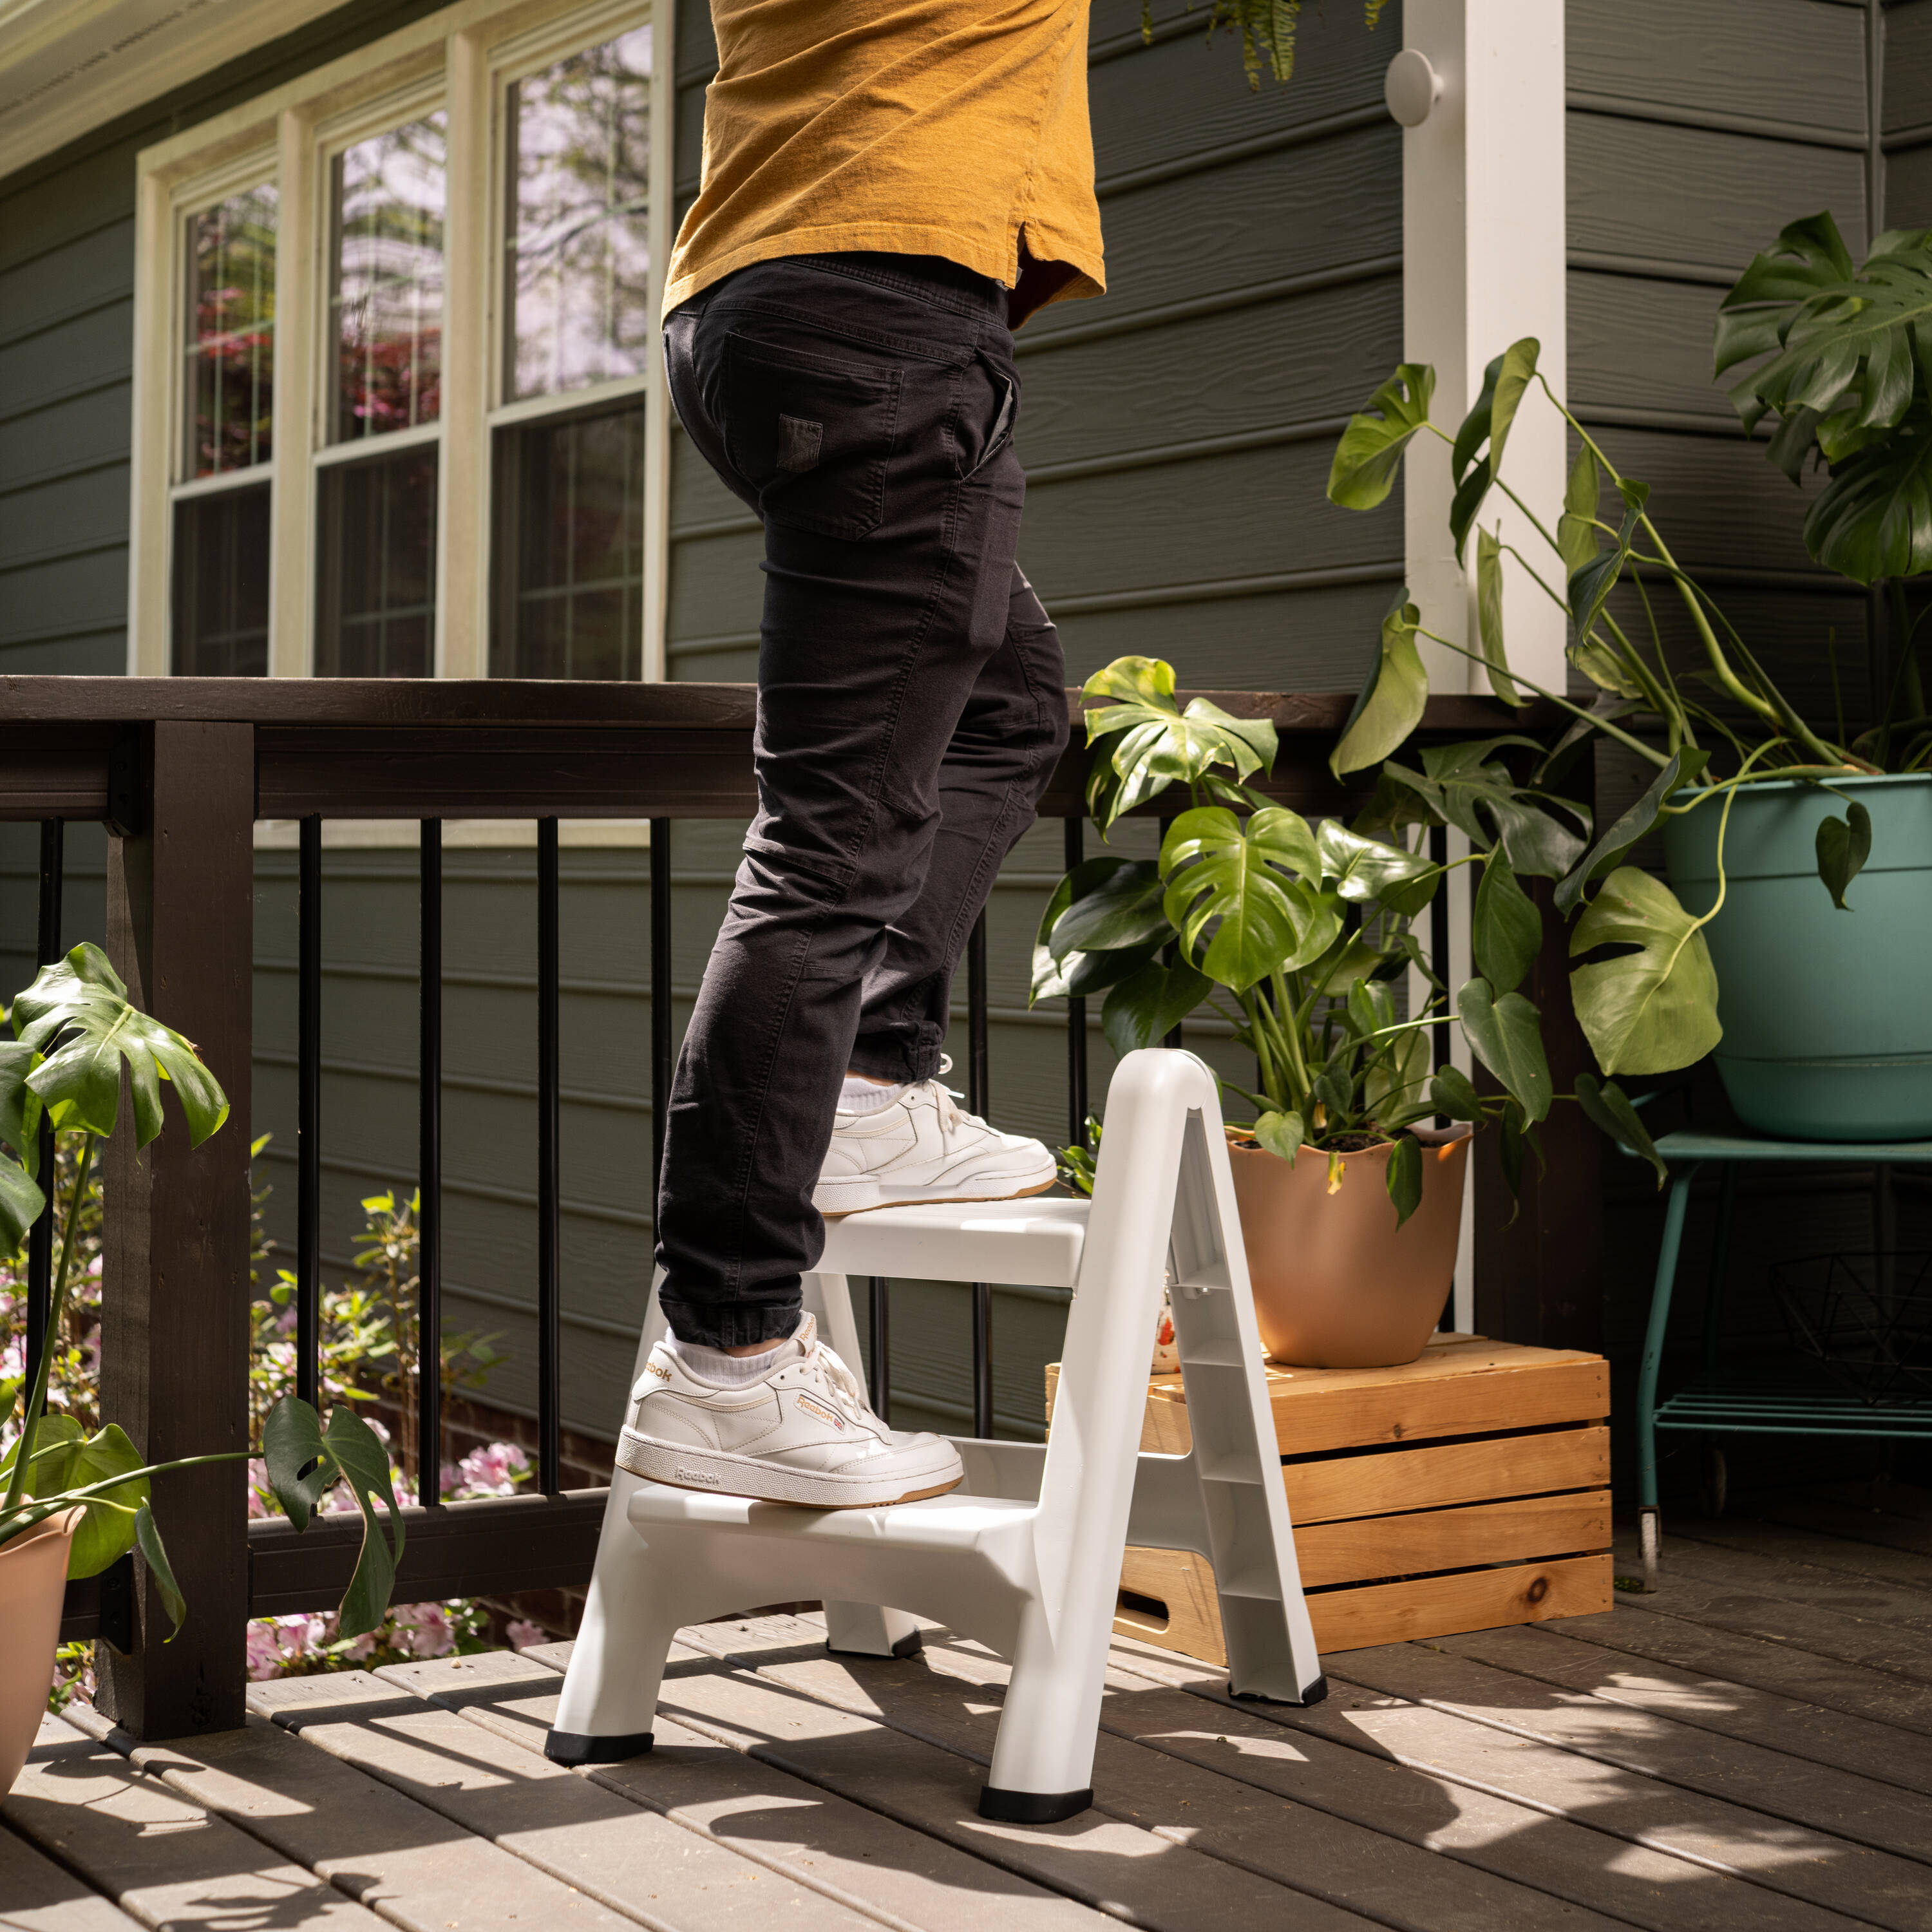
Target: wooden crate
<point>1465,1490</point>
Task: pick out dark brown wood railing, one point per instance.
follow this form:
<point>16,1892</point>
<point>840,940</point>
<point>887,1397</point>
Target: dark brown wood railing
<point>179,770</point>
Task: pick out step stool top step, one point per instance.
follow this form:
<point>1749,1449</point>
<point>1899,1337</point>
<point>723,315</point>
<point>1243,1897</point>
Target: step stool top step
<point>954,1521</point>
<point>1034,1243</point>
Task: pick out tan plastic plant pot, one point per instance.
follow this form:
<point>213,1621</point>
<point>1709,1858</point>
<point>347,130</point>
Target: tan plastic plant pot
<point>33,1578</point>
<point>1337,1284</point>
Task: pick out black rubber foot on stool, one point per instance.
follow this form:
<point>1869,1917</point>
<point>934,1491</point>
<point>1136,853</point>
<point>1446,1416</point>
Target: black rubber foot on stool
<point>1032,1808</point>
<point>568,1747</point>
<point>910,1645</point>
<point>1314,1694</point>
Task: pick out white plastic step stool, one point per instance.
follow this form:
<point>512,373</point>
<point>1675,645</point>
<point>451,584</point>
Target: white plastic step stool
<point>1025,1554</point>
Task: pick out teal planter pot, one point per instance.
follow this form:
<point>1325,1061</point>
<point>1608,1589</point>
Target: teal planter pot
<point>1827,1015</point>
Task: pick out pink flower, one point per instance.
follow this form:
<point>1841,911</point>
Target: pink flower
<point>494,1471</point>
<point>265,1654</point>
<point>423,1630</point>
<point>522,1635</point>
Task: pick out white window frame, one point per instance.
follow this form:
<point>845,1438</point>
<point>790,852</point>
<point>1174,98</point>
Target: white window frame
<point>462,59</point>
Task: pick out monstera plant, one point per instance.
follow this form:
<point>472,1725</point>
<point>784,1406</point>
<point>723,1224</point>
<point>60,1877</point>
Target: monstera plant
<point>1739,777</point>
<point>1299,934</point>
<point>74,1029</point>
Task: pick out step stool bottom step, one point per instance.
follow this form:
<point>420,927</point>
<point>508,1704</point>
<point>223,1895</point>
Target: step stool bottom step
<point>568,1747</point>
<point>1032,1808</point>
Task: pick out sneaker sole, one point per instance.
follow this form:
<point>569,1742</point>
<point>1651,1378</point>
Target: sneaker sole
<point>718,1473</point>
<point>913,1197</point>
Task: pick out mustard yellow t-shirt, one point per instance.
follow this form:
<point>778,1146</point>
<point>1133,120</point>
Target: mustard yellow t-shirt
<point>951,127</point>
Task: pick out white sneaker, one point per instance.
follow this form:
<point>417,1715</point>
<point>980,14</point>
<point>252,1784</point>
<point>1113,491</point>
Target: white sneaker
<point>924,1146</point>
<point>801,1434</point>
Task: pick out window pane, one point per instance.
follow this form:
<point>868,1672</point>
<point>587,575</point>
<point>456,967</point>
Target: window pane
<point>221,584</point>
<point>386,294</point>
<point>580,140</point>
<point>376,567</point>
<point>229,379</point>
<point>569,548</point>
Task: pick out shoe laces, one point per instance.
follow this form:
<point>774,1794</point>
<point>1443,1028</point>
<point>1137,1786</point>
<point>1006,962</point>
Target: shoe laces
<point>947,1100</point>
<point>846,1387</point>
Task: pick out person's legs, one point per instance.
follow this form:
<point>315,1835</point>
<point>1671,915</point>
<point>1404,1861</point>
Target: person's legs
<point>1003,753</point>
<point>863,405</point>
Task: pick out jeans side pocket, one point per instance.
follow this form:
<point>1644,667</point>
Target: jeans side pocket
<point>814,436</point>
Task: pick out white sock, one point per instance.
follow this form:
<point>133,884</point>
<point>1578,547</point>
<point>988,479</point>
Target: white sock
<point>861,1096</point>
<point>720,1370</point>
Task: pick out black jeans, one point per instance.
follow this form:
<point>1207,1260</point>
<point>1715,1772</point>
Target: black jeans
<point>911,707</point>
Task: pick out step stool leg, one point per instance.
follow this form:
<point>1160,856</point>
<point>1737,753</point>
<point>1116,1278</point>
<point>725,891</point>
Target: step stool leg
<point>611,1689</point>
<point>855,1630</point>
<point>616,1664</point>
<point>1042,1767</point>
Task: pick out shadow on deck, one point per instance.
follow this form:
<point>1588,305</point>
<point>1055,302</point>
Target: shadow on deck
<point>1750,1748</point>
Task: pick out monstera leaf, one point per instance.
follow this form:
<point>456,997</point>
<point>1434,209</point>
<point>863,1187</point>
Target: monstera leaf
<point>1367,872</point>
<point>66,1459</point>
<point>77,1015</point>
<point>1249,882</point>
<point>1370,454</point>
<point>1390,705</point>
<point>1489,617</point>
<point>1873,518</point>
<point>305,1462</point>
<point>1850,352</point>
<point>1654,1009</point>
<point>1486,428</point>
<point>1848,341</point>
<point>1159,742</point>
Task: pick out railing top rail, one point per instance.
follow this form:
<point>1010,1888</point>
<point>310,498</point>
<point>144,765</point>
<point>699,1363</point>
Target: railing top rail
<point>43,700</point>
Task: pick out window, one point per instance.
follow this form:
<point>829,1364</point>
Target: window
<point>426,434</point>
<point>375,552</point>
<point>577,316</point>
<point>220,508</point>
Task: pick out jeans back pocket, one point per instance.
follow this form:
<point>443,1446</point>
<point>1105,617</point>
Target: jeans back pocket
<point>812,436</point>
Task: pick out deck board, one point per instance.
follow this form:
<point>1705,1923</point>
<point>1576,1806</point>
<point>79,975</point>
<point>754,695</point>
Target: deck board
<point>37,1895</point>
<point>901,1875</point>
<point>1668,1633</point>
<point>1847,1858</point>
<point>912,1772</point>
<point>562,1835</point>
<point>1748,1750</point>
<point>1870,1749</point>
<point>1696,1867</point>
<point>1898,1579</point>
<point>413,1864</point>
<point>164,1860</point>
<point>1796,1615</point>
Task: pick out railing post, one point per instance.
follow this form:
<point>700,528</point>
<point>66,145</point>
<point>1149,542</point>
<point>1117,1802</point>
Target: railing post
<point>175,1288</point>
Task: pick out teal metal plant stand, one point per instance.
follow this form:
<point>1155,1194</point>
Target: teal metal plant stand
<point>1732,1401</point>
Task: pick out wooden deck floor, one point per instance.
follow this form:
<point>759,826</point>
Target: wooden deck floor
<point>1749,1750</point>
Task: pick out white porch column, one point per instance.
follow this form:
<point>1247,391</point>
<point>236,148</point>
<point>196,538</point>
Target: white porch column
<point>1484,234</point>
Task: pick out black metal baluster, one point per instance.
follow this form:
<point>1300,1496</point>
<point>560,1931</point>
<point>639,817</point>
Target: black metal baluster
<point>308,1112</point>
<point>660,997</point>
<point>979,1101</point>
<point>982,1359</point>
<point>1439,938</point>
<point>429,1166</point>
<point>1169,954</point>
<point>550,1438</point>
<point>40,1235</point>
<point>1076,1015</point>
<point>882,1347</point>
